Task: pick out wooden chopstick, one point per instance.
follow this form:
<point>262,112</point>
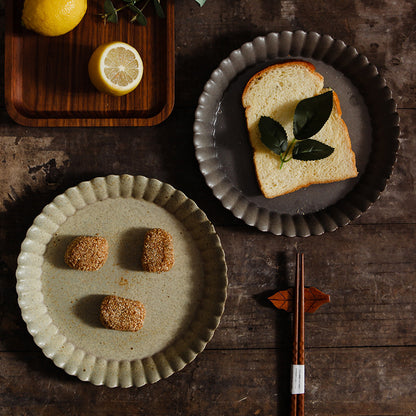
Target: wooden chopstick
<point>298,358</point>
<point>295,346</point>
<point>301,360</point>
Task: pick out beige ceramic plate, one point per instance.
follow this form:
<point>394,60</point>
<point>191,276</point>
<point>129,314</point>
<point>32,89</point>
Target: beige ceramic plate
<point>61,305</point>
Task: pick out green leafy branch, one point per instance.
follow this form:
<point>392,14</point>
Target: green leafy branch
<point>111,12</point>
<point>310,116</point>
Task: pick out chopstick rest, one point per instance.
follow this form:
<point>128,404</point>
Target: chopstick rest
<point>314,299</point>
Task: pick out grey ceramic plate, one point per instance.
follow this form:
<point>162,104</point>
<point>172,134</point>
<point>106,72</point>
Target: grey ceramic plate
<point>61,305</point>
<point>225,156</point>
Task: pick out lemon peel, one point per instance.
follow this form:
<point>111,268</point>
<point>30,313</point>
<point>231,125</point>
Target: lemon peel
<point>53,17</point>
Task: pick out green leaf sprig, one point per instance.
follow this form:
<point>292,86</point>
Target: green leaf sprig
<point>311,114</point>
<point>111,12</point>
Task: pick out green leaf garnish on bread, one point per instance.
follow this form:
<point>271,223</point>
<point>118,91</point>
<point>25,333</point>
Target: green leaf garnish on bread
<point>296,130</point>
<point>311,114</point>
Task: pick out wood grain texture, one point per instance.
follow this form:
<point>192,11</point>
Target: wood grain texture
<point>47,81</point>
<point>383,33</point>
<point>360,348</point>
<point>48,161</point>
<point>362,282</point>
<point>339,382</point>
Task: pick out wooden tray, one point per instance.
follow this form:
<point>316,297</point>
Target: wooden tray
<point>46,78</point>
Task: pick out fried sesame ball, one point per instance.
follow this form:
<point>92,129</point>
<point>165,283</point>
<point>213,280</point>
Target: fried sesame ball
<point>122,314</point>
<point>157,253</point>
<point>87,253</point>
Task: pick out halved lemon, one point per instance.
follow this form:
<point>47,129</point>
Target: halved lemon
<point>115,68</point>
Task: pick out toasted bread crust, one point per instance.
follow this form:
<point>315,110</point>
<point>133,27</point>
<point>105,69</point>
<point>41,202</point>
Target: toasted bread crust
<point>337,103</point>
<point>259,74</point>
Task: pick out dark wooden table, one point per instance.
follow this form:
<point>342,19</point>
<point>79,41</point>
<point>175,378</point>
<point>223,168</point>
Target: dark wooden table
<point>360,348</point>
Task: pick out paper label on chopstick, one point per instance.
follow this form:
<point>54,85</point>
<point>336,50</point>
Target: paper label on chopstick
<point>298,379</point>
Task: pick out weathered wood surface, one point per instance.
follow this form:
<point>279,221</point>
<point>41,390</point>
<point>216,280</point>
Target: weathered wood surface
<point>223,382</point>
<point>360,348</point>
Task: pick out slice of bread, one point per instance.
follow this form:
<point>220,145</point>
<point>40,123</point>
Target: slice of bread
<point>275,92</point>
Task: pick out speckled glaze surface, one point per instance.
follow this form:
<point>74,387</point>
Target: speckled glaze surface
<point>225,156</point>
<point>61,305</point>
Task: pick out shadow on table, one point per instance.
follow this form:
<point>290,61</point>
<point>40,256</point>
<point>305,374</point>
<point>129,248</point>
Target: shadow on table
<point>86,309</point>
<point>283,336</point>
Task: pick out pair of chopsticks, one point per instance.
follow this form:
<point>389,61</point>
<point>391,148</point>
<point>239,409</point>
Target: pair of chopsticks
<point>298,359</point>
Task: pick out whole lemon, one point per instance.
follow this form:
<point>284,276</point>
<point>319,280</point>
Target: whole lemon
<point>53,17</point>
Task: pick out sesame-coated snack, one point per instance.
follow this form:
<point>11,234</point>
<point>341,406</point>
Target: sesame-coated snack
<point>87,253</point>
<point>157,251</point>
<point>122,314</point>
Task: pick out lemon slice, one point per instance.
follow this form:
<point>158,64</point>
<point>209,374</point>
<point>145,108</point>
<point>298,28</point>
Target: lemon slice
<point>115,68</point>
